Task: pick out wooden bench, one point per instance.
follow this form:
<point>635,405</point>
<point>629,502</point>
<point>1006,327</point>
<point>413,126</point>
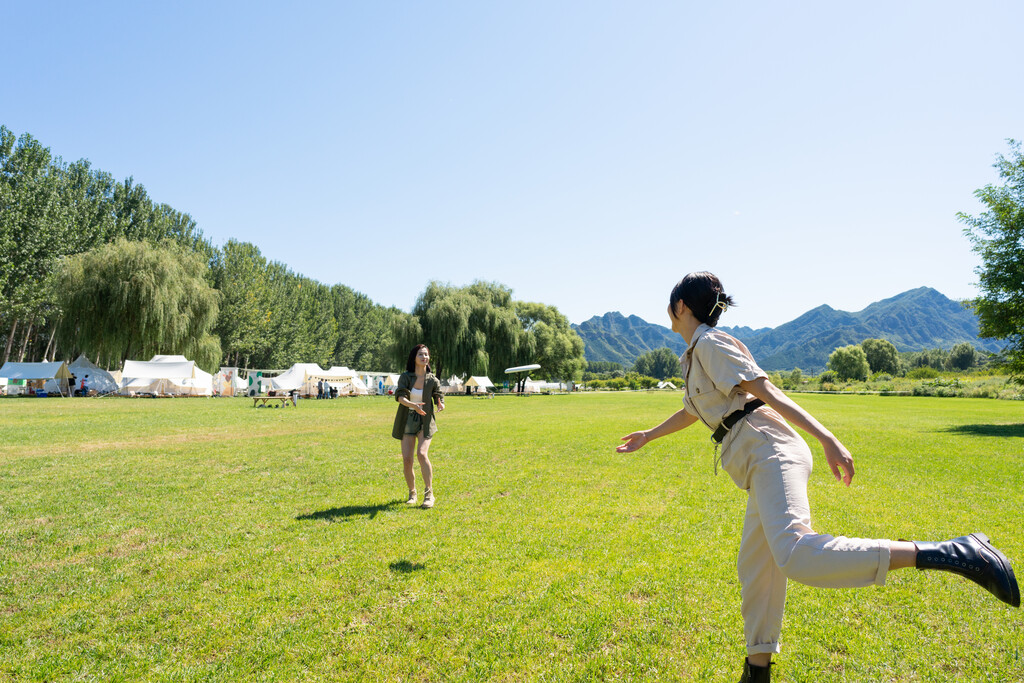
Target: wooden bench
<point>284,400</point>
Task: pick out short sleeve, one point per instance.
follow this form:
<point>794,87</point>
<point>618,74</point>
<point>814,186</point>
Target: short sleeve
<point>726,361</point>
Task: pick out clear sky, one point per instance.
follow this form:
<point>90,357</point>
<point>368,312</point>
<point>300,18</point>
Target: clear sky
<point>587,154</point>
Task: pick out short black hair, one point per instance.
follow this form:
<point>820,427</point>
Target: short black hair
<point>703,294</point>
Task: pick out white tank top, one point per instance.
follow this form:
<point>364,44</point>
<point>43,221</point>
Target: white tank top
<point>416,395</point>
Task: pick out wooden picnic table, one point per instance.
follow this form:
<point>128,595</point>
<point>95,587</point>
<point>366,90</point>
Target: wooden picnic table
<point>284,400</point>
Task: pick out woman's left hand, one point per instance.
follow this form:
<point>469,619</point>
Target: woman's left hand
<point>839,460</point>
<point>440,406</point>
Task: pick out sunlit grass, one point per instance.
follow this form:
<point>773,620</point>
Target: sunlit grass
<point>202,539</point>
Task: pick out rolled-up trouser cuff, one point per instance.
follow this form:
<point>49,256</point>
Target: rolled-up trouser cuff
<point>764,649</point>
<point>884,558</point>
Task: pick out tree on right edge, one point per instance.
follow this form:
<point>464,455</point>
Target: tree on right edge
<point>997,236</point>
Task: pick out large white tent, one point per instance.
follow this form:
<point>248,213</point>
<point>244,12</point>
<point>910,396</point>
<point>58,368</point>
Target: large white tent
<point>349,381</point>
<point>302,377</point>
<point>165,375</point>
<point>57,370</point>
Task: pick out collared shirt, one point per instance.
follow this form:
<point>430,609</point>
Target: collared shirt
<point>713,366</point>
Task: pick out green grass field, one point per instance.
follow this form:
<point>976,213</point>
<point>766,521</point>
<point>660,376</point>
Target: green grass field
<point>204,540</point>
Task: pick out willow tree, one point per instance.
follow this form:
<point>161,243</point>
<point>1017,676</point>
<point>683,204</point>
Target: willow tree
<point>135,299</point>
<point>479,330</point>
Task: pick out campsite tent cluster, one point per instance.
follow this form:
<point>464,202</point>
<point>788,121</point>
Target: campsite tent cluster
<point>178,376</point>
<point>169,376</point>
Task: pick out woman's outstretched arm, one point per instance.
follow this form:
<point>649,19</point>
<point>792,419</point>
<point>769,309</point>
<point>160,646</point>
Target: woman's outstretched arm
<point>838,458</point>
<point>679,420</point>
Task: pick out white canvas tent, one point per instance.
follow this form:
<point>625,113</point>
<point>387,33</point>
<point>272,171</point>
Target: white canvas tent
<point>452,385</point>
<point>38,371</point>
<point>479,383</point>
<point>349,383</point>
<point>96,378</point>
<point>302,377</point>
<point>165,375</point>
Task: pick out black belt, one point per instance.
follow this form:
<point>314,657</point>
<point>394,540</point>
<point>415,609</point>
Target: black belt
<point>732,418</point>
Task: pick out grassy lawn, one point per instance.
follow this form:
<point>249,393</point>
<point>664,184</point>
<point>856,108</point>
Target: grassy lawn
<point>204,540</point>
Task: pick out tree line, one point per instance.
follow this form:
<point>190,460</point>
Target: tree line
<point>91,264</point>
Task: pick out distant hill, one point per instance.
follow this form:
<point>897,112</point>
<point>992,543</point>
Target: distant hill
<point>915,320</point>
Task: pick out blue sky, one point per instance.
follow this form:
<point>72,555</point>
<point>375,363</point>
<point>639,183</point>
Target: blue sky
<point>586,154</point>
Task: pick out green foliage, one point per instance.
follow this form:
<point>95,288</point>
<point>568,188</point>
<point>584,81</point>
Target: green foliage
<point>922,372</point>
<point>131,300</point>
<point>849,362</point>
<point>882,356</point>
<point>480,330</point>
<point>962,356</point>
<point>828,377</point>
<point>50,209</point>
<point>997,236</point>
<point>933,358</point>
<point>598,367</point>
<point>660,363</point>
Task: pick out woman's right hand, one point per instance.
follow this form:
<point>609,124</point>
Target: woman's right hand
<point>418,407</point>
<point>634,442</point>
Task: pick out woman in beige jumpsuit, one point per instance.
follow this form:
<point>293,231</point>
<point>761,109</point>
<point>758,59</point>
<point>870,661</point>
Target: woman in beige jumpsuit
<point>750,418</point>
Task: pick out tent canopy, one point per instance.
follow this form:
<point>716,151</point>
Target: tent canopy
<point>140,369</point>
<point>99,379</point>
<point>482,382</point>
<point>169,375</point>
<point>56,370</point>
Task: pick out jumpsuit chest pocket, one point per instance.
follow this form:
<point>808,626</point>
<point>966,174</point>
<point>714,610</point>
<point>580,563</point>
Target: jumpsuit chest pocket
<point>699,384</point>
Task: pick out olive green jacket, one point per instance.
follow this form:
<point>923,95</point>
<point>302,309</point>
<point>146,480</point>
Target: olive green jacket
<point>409,421</point>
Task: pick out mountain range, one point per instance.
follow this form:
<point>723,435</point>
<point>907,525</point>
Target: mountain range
<point>915,320</point>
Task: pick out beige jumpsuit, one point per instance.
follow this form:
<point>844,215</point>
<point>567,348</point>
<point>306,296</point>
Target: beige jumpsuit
<point>768,459</point>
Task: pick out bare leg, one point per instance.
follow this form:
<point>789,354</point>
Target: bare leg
<point>425,466</point>
<point>408,458</point>
<point>902,555</point>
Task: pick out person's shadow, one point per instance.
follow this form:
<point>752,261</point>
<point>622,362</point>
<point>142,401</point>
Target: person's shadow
<point>350,511</point>
<point>1004,430</point>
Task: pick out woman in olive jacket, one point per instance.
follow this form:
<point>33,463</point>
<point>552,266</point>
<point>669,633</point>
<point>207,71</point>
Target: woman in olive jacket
<point>415,419</point>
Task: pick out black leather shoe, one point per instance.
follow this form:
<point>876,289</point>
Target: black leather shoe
<point>977,559</point>
<point>756,674</point>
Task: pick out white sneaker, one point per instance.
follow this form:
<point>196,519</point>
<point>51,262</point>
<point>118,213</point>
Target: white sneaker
<point>412,498</point>
<point>428,499</point>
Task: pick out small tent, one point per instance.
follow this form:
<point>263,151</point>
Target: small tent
<point>38,372</point>
<point>96,378</point>
<point>452,385</point>
<point>477,383</point>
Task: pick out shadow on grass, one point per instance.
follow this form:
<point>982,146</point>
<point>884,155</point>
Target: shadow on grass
<point>406,567</point>
<point>989,430</point>
<point>350,511</point>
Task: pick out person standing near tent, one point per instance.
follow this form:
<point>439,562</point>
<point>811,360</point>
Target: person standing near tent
<point>415,420</point>
<point>764,455</point>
